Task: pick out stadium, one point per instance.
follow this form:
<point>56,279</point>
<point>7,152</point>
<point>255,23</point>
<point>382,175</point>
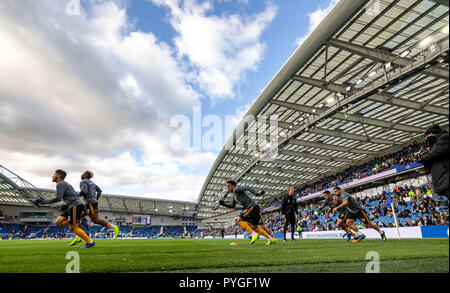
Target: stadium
<point>352,104</point>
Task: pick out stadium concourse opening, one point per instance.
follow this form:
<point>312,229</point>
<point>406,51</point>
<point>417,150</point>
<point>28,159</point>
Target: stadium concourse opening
<point>353,103</point>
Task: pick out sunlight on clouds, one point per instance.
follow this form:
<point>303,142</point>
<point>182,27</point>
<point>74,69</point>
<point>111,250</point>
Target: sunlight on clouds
<point>95,89</point>
<point>221,49</point>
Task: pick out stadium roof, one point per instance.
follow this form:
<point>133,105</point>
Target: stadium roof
<point>15,190</point>
<point>369,79</point>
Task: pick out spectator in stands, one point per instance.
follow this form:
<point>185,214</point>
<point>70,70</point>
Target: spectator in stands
<point>442,219</point>
<point>436,161</point>
<point>419,221</point>
<point>426,221</point>
<point>406,156</point>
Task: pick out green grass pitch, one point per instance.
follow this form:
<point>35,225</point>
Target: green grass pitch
<point>217,256</point>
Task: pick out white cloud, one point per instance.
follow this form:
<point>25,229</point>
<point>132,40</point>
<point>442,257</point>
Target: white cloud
<point>221,49</point>
<point>315,18</point>
<point>85,92</point>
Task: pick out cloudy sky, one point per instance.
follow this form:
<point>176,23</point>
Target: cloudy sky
<point>96,85</point>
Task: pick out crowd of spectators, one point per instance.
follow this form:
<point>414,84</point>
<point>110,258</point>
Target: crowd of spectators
<point>406,156</point>
<point>415,206</point>
<point>219,231</point>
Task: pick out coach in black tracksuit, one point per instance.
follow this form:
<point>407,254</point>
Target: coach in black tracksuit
<point>289,210</point>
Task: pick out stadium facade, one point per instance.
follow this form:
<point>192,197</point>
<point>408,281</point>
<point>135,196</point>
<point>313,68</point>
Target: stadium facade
<point>17,195</point>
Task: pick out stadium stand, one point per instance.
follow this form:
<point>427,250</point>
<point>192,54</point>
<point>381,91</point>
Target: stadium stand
<point>403,157</point>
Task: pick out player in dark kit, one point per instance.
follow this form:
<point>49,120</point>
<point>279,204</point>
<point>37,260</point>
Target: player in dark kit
<point>289,211</point>
<point>356,212</point>
<point>251,219</point>
<point>74,210</point>
<point>331,203</point>
<point>91,193</point>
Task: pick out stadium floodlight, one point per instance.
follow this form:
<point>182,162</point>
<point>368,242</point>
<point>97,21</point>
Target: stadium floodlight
<point>445,30</point>
<point>426,42</point>
<point>404,54</point>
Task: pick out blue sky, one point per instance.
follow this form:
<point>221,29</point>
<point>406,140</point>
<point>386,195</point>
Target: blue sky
<point>103,83</point>
<point>292,22</point>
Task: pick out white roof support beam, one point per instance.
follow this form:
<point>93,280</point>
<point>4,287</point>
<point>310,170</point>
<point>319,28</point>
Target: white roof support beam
<point>331,147</point>
<point>382,98</point>
<point>331,87</point>
<point>304,165</point>
<point>441,2</point>
<point>262,183</point>
<point>272,177</point>
<point>356,118</point>
<point>219,190</point>
<point>109,203</point>
<point>245,157</point>
<point>315,157</point>
<point>286,171</point>
<point>388,99</point>
<point>384,56</point>
<point>344,135</point>
<point>124,204</point>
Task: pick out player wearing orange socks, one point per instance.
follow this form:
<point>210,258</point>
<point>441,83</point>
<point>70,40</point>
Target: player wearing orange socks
<point>251,219</point>
<point>75,209</point>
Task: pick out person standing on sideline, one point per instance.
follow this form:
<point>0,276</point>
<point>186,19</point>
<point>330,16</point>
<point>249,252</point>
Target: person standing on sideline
<point>289,211</point>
